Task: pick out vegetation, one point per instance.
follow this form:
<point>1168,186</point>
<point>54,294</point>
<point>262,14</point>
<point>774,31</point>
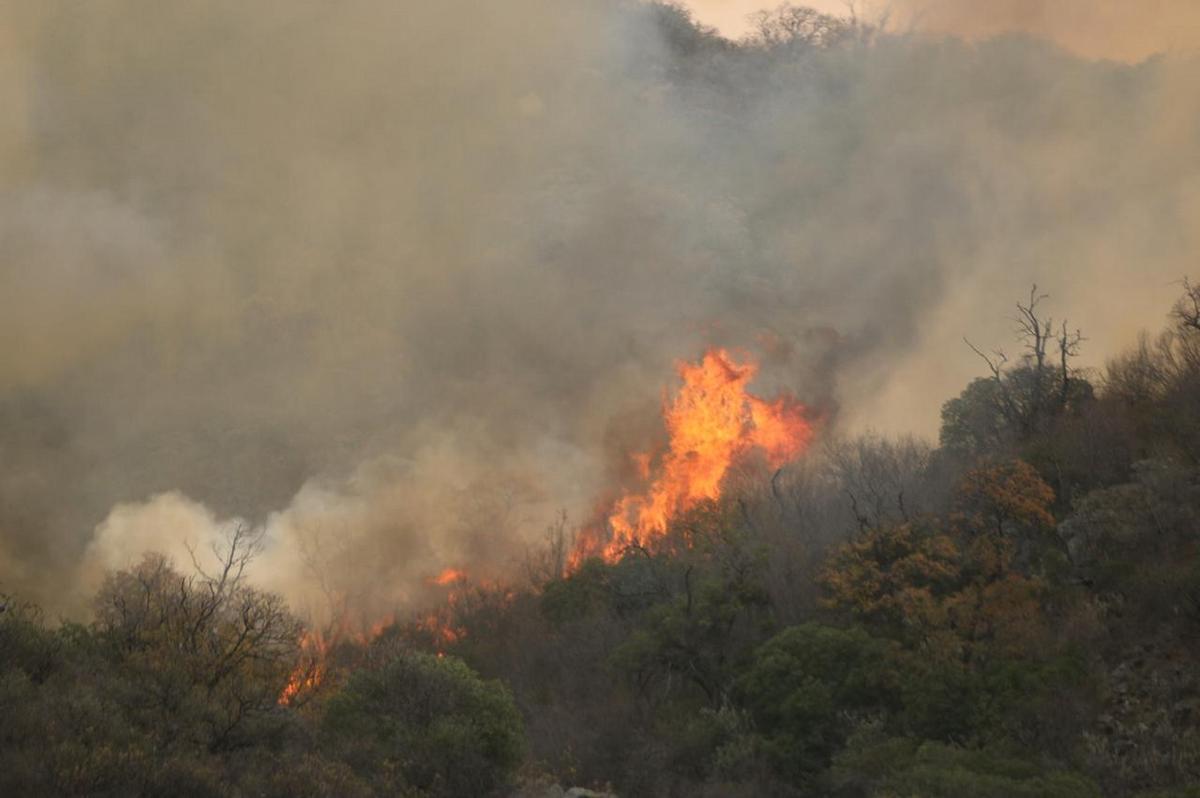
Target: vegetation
<point>426,724</point>
<point>1013,612</point>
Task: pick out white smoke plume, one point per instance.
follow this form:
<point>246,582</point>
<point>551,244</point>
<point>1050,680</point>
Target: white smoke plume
<point>403,276</point>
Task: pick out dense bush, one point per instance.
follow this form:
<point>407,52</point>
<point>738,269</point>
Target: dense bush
<point>806,689</point>
<point>427,724</point>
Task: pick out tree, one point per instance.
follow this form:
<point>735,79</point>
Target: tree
<point>966,598</point>
<point>65,730</point>
<point>894,577</point>
<point>952,586</point>
<point>883,480</point>
<point>808,687</point>
<point>208,655</point>
<point>1187,310</point>
<point>708,606</point>
<point>797,26</point>
<point>426,723</point>
<point>975,421</point>
<point>1157,384</point>
<point>1022,398</point>
<point>1008,498</point>
<point>875,764</point>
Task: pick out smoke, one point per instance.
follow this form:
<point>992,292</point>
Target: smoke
<point>351,550</point>
<point>1110,29</point>
<point>171,524</point>
<point>393,282</point>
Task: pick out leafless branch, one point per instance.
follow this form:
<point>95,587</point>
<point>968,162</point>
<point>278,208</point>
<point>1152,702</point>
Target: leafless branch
<point>1187,309</point>
<point>995,366</point>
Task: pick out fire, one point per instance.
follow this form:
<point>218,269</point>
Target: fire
<point>440,624</point>
<point>445,624</point>
<point>449,577</point>
<point>711,422</point>
<point>315,645</point>
<point>310,672</point>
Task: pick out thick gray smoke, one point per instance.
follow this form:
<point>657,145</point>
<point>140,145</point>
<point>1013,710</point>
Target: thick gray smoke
<point>394,280</point>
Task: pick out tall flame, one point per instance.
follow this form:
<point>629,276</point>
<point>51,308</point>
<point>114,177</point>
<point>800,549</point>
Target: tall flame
<point>310,670</point>
<point>712,421</point>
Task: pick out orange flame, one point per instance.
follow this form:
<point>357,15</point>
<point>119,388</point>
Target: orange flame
<point>449,577</point>
<point>315,645</point>
<point>445,624</point>
<point>310,671</point>
<point>711,422</point>
<point>441,624</point>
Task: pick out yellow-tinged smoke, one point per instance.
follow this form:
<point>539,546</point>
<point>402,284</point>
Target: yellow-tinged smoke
<point>1111,29</point>
<point>392,271</point>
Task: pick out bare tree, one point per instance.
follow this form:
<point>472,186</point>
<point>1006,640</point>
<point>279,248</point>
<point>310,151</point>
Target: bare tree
<point>797,25</point>
<point>547,560</point>
<point>212,654</point>
<point>1187,310</point>
<point>1031,391</point>
<point>881,479</point>
<point>1069,344</point>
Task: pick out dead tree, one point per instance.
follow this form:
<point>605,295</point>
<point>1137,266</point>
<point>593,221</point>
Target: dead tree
<point>1187,309</point>
<point>1029,393</point>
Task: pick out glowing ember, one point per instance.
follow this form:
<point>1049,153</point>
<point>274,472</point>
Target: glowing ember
<point>711,422</point>
<point>449,577</point>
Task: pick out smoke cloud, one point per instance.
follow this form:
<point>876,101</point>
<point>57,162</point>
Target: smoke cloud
<point>394,283</point>
<point>1109,29</point>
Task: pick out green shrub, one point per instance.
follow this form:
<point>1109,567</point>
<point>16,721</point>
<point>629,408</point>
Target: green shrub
<point>805,685</point>
<point>875,764</point>
<point>426,724</point>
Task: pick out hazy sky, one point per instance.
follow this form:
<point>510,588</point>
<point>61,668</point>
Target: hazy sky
<point>730,16</point>
<point>1122,30</point>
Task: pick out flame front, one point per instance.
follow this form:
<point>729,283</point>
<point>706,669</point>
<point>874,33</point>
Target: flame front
<point>711,422</point>
<point>310,671</point>
<point>315,645</point>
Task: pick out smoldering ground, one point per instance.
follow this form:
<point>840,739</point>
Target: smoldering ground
<point>396,280</point>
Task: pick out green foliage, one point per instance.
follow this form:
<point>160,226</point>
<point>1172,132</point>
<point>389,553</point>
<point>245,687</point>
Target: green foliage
<point>694,634</point>
<point>877,765</point>
<point>175,676</point>
<point>974,422</point>
<point>578,595</point>
<point>805,686</point>
<point>64,732</point>
<point>427,724</point>
<point>303,775</point>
